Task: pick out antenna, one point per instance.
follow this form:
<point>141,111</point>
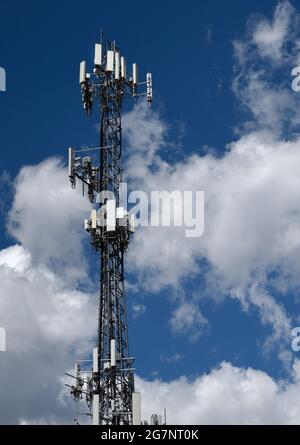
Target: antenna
<point>82,72</point>
<point>98,55</point>
<point>117,65</point>
<point>149,88</point>
<point>135,74</point>
<point>123,68</point>
<point>110,61</point>
<point>109,385</point>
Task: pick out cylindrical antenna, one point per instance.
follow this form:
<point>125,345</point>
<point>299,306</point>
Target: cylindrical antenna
<point>123,68</point>
<point>71,162</point>
<point>135,74</point>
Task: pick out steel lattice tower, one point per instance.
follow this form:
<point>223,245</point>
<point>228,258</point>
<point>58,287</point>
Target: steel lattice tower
<point>109,388</point>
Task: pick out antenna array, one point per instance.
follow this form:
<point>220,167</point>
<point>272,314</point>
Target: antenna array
<point>109,387</point>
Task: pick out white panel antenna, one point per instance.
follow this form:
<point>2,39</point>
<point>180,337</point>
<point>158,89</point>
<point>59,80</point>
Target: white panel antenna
<point>98,54</point>
<point>117,65</point>
<point>95,360</point>
<point>111,215</point>
<point>96,406</point>
<point>136,408</point>
<point>120,212</point>
<point>113,352</point>
<point>110,61</point>
<point>131,223</point>
<point>82,72</point>
<point>94,219</point>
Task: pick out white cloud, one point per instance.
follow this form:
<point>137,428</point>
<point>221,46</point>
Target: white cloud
<point>39,421</point>
<point>171,358</point>
<point>138,310</point>
<point>15,258</point>
<point>144,130</point>
<point>251,222</point>
<point>270,36</point>
<point>49,324</point>
<point>252,231</point>
<point>268,52</point>
<point>46,218</point>
<point>226,395</point>
<point>271,107</point>
<point>187,318</point>
<point>252,208</point>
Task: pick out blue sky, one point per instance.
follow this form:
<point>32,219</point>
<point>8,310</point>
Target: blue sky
<point>41,46</point>
<point>191,49</point>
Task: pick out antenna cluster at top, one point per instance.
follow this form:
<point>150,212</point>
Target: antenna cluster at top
<point>110,71</point>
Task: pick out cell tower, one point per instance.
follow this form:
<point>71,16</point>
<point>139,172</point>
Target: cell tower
<point>109,387</point>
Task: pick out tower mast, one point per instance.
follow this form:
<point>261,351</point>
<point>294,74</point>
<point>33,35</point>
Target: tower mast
<point>109,388</point>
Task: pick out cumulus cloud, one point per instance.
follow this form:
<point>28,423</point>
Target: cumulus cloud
<point>252,211</point>
<point>251,223</point>
<point>226,395</point>
<point>48,326</point>
<point>271,36</point>
<point>264,58</point>
<point>252,232</point>
<point>274,39</point>
<point>251,192</point>
<point>48,322</point>
<point>46,218</point>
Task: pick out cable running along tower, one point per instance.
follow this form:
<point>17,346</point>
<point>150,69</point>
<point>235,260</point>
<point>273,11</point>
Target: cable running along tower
<point>108,387</point>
